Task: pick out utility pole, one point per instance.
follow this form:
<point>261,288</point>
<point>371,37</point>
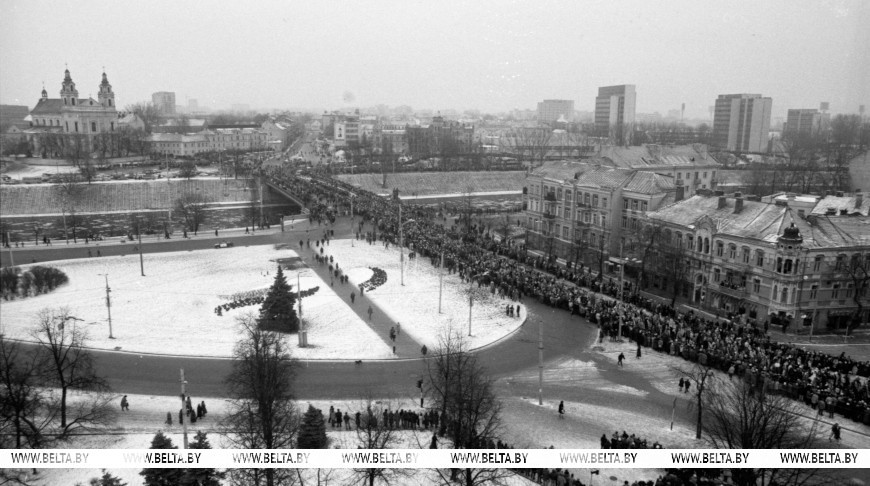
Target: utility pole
<point>108,304</point>
<point>470,300</point>
<point>621,287</point>
<point>183,407</point>
<point>401,248</point>
<point>440,280</point>
<point>141,259</point>
<point>540,362</point>
<point>11,258</point>
<point>260,187</point>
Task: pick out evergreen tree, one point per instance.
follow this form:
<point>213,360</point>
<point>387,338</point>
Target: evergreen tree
<point>161,476</point>
<point>107,480</point>
<point>277,312</point>
<point>204,476</point>
<point>312,435</point>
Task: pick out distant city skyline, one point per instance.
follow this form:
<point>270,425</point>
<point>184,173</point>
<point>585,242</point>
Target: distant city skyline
<point>484,55</point>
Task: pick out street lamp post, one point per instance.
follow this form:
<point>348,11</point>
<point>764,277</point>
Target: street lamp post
<point>471,296</point>
<point>108,303</point>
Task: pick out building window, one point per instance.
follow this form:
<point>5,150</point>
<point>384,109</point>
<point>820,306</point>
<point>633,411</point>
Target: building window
<point>716,275</point>
<point>625,222</point>
<point>679,175</point>
<point>77,126</point>
<point>705,175</point>
<point>817,262</point>
<point>848,290</point>
<point>835,293</point>
<point>565,232</point>
<point>720,247</point>
<point>93,127</point>
<point>756,285</point>
<point>595,200</point>
<point>696,175</point>
<point>759,258</point>
<point>625,204</point>
<point>745,255</point>
<point>603,202</point>
<point>814,291</point>
<point>603,221</point>
<point>706,246</point>
<point>732,251</point>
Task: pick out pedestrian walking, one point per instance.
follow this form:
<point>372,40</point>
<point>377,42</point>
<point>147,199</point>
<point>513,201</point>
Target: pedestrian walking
<point>561,409</point>
<point>352,297</point>
<point>99,254</point>
<point>835,432</point>
<point>370,311</point>
<point>638,351</point>
<point>681,384</point>
<point>168,418</point>
<point>398,328</point>
<point>620,359</point>
<point>125,406</point>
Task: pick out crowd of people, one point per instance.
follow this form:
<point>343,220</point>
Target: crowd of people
<point>625,441</point>
<point>509,269</point>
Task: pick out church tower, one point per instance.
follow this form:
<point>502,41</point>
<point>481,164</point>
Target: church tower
<point>68,90</point>
<point>106,96</point>
<point>44,93</point>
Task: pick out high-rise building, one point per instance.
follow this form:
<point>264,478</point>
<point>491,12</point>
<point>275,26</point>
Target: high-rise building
<point>552,110</point>
<point>741,122</point>
<point>614,112</point>
<point>164,101</point>
<point>809,121</point>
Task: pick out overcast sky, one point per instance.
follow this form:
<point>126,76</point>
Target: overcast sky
<point>489,55</point>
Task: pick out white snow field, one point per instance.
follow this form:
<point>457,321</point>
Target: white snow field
<point>415,305</point>
<point>171,309</point>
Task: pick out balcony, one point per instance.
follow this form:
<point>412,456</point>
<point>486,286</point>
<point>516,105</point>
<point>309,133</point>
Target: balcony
<point>550,196</point>
<point>549,215</point>
<point>730,289</point>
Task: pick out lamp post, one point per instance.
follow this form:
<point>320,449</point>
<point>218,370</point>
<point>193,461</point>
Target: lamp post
<point>471,295</point>
<point>402,245</point>
<point>108,303</point>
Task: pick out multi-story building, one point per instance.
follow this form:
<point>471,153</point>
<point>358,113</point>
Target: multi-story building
<point>346,130</point>
<point>211,140</point>
<point>439,138</point>
<point>762,261</point>
<point>741,122</point>
<point>809,121</point>
<point>580,211</point>
<point>164,101</point>
<point>690,164</point>
<point>390,138</point>
<point>551,110</point>
<point>58,122</point>
<point>615,111</point>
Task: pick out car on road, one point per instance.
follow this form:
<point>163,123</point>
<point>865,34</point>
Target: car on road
<point>224,244</point>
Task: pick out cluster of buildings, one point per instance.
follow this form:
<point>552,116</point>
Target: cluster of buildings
<point>785,258</point>
<point>55,123</point>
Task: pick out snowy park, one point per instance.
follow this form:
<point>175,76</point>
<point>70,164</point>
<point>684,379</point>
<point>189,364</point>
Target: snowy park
<point>189,286</point>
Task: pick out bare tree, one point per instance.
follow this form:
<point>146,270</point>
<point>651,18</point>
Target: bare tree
<point>460,387</point>
<point>262,413</point>
<point>530,144</point>
<point>191,207</point>
<point>25,411</point>
<point>69,191</point>
<point>642,244</point>
<point>68,365</point>
<point>703,379</point>
<point>373,433</point>
<point>79,154</point>
<point>672,264</point>
<point>147,112</point>
<point>743,416</point>
<point>187,170</point>
<point>858,270</point>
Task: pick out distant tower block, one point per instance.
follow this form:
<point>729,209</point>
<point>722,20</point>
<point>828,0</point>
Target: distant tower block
<point>861,109</point>
<point>824,106</point>
<point>683,112</point>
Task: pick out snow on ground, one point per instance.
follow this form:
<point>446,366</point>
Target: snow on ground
<point>147,415</point>
<point>415,305</point>
<point>187,286</point>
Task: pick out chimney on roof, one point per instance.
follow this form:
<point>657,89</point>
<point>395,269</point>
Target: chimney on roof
<point>830,211</point>
<point>719,193</point>
<point>738,204</point>
<point>722,202</point>
<point>839,193</point>
<point>812,218</point>
<point>780,202</point>
<point>681,191</point>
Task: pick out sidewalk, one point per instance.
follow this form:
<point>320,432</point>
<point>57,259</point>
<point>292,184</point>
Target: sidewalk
<point>406,347</point>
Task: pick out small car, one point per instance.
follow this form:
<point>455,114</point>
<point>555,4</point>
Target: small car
<point>224,244</point>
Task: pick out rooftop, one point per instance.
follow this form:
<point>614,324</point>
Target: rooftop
<point>652,155</point>
<point>765,221</point>
<point>592,175</point>
<point>849,203</point>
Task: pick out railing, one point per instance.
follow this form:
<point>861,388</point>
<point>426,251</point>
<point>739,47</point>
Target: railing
<point>723,288</point>
<point>549,215</point>
<point>550,197</point>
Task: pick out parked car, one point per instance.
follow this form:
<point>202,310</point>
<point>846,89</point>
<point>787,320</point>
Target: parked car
<point>224,244</point>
